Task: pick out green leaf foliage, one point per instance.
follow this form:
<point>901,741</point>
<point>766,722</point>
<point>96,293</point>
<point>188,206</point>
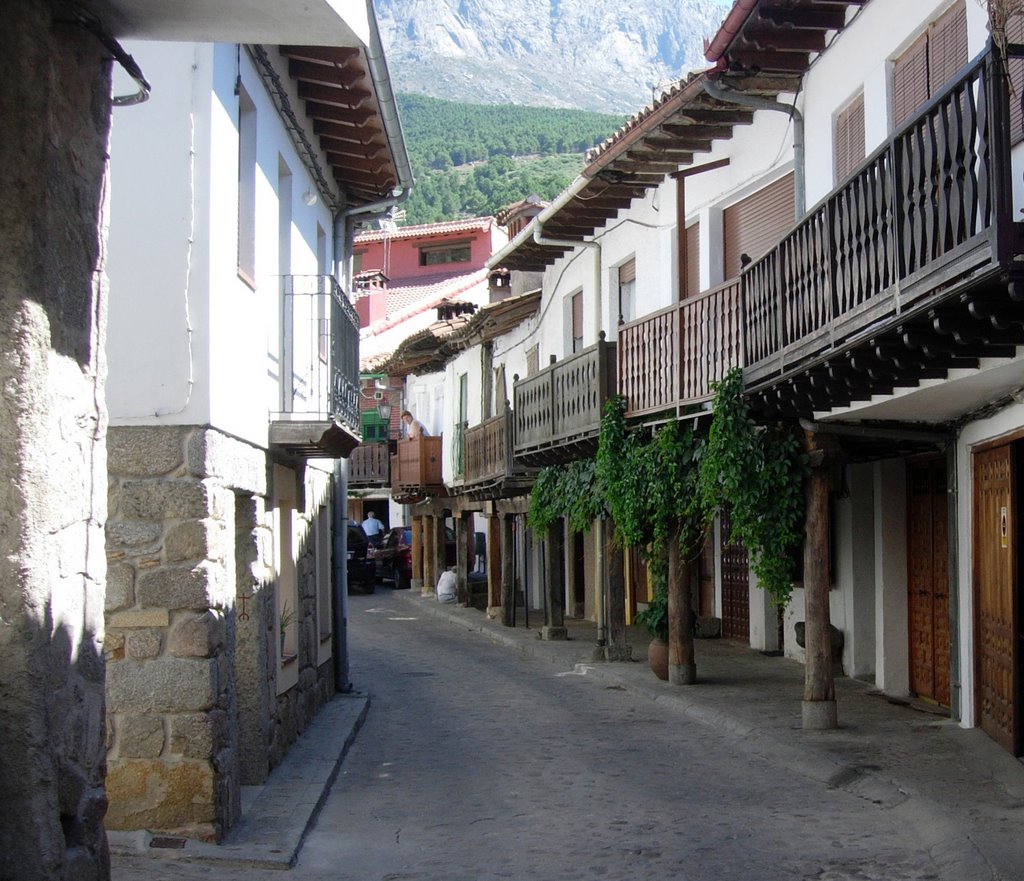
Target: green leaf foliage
<point>471,160</point>
<point>571,491</point>
<point>759,474</point>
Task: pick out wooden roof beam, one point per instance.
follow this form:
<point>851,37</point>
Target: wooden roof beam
<point>332,113</point>
<point>349,132</point>
<point>812,19</point>
<point>333,95</point>
<point>687,131</point>
<point>787,40</point>
<point>327,74</point>
<point>339,55</point>
<point>785,62</point>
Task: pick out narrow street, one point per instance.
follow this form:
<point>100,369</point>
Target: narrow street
<point>477,763</point>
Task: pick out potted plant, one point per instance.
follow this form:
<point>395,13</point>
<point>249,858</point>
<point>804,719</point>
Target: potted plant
<point>284,621</point>
<point>655,619</point>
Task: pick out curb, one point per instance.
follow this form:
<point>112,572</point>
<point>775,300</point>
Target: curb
<point>249,847</point>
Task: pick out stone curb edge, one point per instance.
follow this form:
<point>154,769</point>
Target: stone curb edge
<point>240,854</point>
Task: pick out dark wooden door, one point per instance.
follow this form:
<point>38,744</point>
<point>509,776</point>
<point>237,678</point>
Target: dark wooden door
<point>735,586</point>
<point>994,566</point>
<point>928,579</point>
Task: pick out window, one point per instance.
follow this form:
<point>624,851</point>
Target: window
<point>753,225</point>
<point>692,274</point>
<point>357,262</point>
<point>627,291</point>
<point>923,69</point>
<point>246,188</point>
<point>448,254</point>
<point>577,321</point>
<point>532,360</point>
<point>848,146</point>
<point>1015,34</point>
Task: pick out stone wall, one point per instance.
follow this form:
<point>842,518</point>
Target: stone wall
<point>54,95</point>
<point>192,681</point>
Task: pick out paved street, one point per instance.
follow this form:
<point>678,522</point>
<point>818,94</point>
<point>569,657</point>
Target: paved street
<point>478,763</point>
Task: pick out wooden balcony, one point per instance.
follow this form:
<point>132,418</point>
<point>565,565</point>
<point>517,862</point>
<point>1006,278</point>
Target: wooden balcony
<point>490,469</point>
<point>416,468</point>
<point>557,412</point>
<point>904,272</point>
<point>369,466</point>
<point>668,360</point>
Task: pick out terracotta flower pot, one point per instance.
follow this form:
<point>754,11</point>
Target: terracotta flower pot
<point>657,657</point>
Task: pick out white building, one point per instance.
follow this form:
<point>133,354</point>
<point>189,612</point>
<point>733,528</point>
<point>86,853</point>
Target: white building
<point>233,356</point>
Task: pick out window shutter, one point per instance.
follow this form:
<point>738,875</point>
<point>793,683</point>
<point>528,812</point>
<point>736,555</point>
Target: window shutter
<point>627,271</point>
<point>755,224</point>
<point>1015,34</point>
<point>849,144</point>
<point>910,81</point>
<point>577,315</point>
<point>692,260</point>
<point>947,47</point>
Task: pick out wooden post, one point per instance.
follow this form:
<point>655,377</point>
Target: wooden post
<point>682,664</point>
<point>417,554</point>
<point>819,705</point>
<point>554,563</point>
<point>430,573</point>
<point>461,559</point>
<point>573,588</point>
<point>508,570</point>
<point>618,648</point>
<point>494,557</point>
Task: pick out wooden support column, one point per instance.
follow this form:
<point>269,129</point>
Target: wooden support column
<point>618,648</point>
<point>430,573</point>
<point>508,570</point>
<point>439,540</point>
<point>554,587</point>
<point>573,588</point>
<point>819,705</point>
<point>494,597</point>
<point>462,559</point>
<point>682,664</point>
<point>417,554</point>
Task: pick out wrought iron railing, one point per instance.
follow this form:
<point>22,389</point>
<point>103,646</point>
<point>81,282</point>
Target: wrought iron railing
<point>319,367</point>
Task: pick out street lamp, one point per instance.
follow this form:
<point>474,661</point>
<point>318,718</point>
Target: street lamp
<point>384,410</point>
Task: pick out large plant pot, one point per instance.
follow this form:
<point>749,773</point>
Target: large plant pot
<point>657,657</point>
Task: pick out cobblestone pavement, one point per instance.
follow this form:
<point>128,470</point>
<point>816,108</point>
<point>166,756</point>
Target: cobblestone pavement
<point>479,763</point>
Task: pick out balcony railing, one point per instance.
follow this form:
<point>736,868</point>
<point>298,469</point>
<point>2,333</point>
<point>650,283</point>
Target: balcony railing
<point>928,211</point>
<point>319,366</point>
<point>668,360</point>
<point>489,461</point>
<point>557,412</point>
<point>416,467</point>
<point>369,465</point>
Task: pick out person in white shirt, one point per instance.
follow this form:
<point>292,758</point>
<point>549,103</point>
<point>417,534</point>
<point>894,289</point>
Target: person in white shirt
<point>413,427</point>
<point>373,528</point>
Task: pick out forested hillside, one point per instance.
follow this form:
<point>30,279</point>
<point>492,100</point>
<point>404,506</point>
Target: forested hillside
<point>472,159</point>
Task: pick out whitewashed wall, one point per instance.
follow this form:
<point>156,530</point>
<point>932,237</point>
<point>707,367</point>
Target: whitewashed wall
<point>161,285</point>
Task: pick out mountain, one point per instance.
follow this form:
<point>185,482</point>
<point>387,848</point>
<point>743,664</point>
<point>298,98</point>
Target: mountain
<point>601,55</point>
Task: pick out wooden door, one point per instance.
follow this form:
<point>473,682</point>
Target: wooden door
<point>735,586</point>
<point>994,570</point>
<point>928,579</point>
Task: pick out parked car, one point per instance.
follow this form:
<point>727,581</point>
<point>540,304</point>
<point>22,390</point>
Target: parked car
<point>394,556</point>
<point>362,569</point>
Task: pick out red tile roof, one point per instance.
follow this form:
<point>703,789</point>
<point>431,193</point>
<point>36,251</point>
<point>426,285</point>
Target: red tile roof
<point>423,230</point>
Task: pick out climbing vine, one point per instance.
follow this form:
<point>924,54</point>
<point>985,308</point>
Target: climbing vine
<point>759,474</point>
<point>571,491</point>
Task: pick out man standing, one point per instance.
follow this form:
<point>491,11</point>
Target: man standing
<point>373,528</point>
